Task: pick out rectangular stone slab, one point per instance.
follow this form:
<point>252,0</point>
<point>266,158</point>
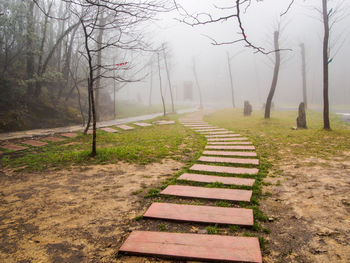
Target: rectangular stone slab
<point>193,246</point>
<point>107,129</point>
<point>228,160</point>
<point>227,153</point>
<point>201,214</point>
<point>210,130</point>
<point>143,124</point>
<point>226,147</point>
<point>204,126</point>
<point>221,132</point>
<point>69,134</point>
<point>227,139</point>
<point>208,193</point>
<point>223,169</point>
<point>13,147</point>
<point>164,122</point>
<point>125,127</point>
<point>213,179</point>
<point>34,143</point>
<point>53,139</point>
<point>223,135</point>
<point>228,143</point>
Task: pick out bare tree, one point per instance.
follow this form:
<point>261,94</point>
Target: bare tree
<point>197,83</point>
<point>231,81</point>
<point>160,85</point>
<point>325,56</point>
<point>275,75</point>
<point>303,73</point>
<point>168,76</point>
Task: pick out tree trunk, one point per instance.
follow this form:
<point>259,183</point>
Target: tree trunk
<point>275,75</point>
<point>326,124</point>
<point>160,86</point>
<point>231,82</point>
<point>197,83</point>
<point>169,82</point>
<point>303,72</point>
<point>151,86</point>
<point>30,47</point>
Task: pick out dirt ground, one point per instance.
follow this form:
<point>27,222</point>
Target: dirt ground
<point>309,210</point>
<point>76,215</point>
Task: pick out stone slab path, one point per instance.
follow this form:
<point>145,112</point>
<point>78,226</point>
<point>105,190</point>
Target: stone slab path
<point>208,193</point>
<point>223,169</point>
<point>213,179</point>
<point>34,143</point>
<point>125,127</point>
<point>209,130</point>
<point>164,122</point>
<point>107,129</point>
<point>227,153</point>
<point>223,135</point>
<point>194,246</point>
<point>69,134</point>
<point>229,143</point>
<point>226,147</point>
<point>142,124</point>
<point>228,160</point>
<point>201,214</point>
<point>227,139</point>
<point>13,147</point>
<point>53,139</point>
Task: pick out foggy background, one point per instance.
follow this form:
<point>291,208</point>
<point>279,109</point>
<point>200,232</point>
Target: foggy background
<point>252,73</point>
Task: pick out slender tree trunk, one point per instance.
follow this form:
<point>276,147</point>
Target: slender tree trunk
<point>197,83</point>
<point>275,75</point>
<point>114,90</point>
<point>169,82</point>
<point>160,86</point>
<point>303,71</point>
<point>326,123</point>
<point>231,82</point>
<point>91,90</point>
<point>30,47</point>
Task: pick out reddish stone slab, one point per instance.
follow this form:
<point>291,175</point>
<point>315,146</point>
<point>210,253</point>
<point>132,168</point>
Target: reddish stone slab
<point>13,147</point>
<point>107,129</point>
<point>223,135</point>
<point>204,126</point>
<point>213,179</point>
<point>125,127</point>
<point>69,134</point>
<point>53,139</point>
<point>221,132</point>
<point>210,130</point>
<point>229,143</point>
<point>142,124</point>
<point>223,169</point>
<point>34,143</point>
<point>226,147</point>
<point>228,160</point>
<point>193,246</point>
<point>227,153</point>
<point>208,193</point>
<point>202,214</point>
<point>227,139</point>
<point>164,122</point>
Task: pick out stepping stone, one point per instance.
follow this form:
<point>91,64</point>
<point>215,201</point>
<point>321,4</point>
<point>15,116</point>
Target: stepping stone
<point>226,153</point>
<point>208,193</point>
<point>125,127</point>
<point>142,124</point>
<point>34,143</point>
<point>199,126</point>
<point>202,214</point>
<point>200,247</point>
<point>13,147</point>
<point>223,169</point>
<point>222,135</point>
<point>213,179</point>
<point>227,139</point>
<point>106,129</point>
<point>69,134</point>
<point>53,139</point>
<point>228,160</point>
<point>210,130</point>
<point>227,147</point>
<point>164,122</point>
<point>221,132</point>
<point>229,143</point>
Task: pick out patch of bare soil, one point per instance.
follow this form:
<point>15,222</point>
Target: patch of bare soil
<point>81,214</point>
<point>309,207</point>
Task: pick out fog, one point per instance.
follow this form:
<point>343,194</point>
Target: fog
<point>251,72</point>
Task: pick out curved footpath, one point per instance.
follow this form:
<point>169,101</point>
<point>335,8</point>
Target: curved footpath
<point>226,147</point>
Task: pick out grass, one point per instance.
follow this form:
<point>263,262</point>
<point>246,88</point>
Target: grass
<point>141,146</point>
